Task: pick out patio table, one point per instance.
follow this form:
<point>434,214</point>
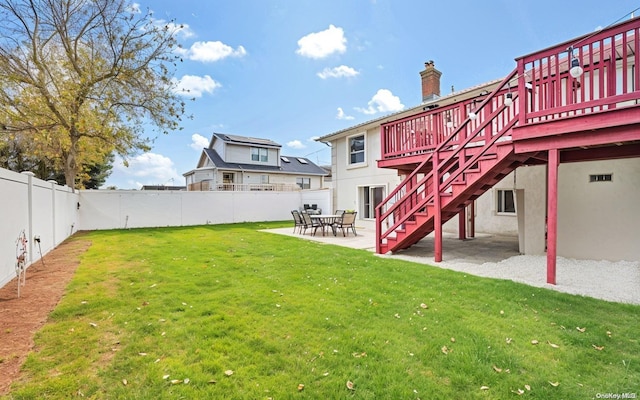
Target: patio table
<point>327,220</point>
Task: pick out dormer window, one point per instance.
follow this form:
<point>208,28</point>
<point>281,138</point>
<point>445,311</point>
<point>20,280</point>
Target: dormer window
<point>259,154</point>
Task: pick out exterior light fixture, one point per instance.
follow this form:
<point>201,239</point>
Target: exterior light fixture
<point>508,99</point>
<point>575,70</point>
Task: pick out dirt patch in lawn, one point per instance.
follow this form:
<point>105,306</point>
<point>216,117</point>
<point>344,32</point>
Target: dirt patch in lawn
<point>20,318</point>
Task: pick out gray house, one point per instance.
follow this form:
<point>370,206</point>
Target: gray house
<point>241,163</point>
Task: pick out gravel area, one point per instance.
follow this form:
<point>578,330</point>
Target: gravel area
<point>606,280</point>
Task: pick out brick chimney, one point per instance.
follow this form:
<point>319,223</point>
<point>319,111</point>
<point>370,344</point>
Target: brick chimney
<point>430,81</point>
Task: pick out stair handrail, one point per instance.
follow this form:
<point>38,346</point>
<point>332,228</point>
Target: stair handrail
<point>380,216</point>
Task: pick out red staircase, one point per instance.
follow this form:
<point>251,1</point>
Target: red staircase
<point>477,155</point>
<point>594,115</point>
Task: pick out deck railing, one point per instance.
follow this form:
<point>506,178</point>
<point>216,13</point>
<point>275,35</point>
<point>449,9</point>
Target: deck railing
<point>610,78</point>
<point>243,187</point>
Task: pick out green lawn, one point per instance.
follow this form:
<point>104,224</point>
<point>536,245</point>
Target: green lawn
<point>229,312</point>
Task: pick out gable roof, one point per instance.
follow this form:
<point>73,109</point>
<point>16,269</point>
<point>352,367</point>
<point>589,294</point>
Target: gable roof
<point>294,166</point>
<point>244,140</point>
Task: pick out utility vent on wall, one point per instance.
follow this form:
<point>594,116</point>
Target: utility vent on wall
<point>601,178</point>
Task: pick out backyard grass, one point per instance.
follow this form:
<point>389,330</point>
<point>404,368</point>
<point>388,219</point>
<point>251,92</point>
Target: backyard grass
<point>230,312</point>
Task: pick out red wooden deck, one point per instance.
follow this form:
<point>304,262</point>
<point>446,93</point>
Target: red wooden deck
<point>451,154</point>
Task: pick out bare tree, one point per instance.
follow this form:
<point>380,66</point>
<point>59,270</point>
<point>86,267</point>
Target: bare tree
<point>82,78</point>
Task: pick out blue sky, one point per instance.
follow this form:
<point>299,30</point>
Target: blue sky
<point>294,70</point>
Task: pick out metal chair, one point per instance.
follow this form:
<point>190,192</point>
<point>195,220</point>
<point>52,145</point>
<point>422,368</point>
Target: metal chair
<point>347,221</point>
<point>310,223</point>
<point>298,222</point>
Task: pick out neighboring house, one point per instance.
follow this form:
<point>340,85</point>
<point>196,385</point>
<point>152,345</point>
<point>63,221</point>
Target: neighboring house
<point>597,216</point>
<point>240,163</point>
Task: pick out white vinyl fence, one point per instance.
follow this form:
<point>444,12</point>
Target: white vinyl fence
<point>52,212</point>
<point>39,209</point>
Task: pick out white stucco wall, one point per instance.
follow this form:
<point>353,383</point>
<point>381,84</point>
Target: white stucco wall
<point>348,179</point>
<point>600,220</point>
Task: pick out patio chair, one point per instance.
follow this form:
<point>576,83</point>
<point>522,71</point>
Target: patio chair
<point>347,221</point>
<point>298,222</point>
<point>339,212</point>
<point>310,223</point>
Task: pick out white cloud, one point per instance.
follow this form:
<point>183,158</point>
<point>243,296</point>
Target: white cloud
<point>150,169</point>
<point>338,72</point>
<point>212,51</point>
<point>296,144</point>
<point>342,115</point>
<point>195,86</point>
<point>198,142</point>
<point>321,44</point>
<point>382,101</point>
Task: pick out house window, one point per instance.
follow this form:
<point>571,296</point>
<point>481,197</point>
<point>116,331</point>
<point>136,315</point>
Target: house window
<point>356,149</point>
<point>259,154</point>
<point>304,183</point>
<point>506,202</point>
<point>370,197</point>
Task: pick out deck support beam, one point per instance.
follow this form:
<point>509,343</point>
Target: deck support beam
<point>462,224</point>
<point>552,215</point>
<point>437,206</point>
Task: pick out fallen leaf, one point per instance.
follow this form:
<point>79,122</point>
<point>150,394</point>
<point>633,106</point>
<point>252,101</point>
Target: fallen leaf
<point>501,312</point>
<point>484,387</point>
<point>325,374</point>
<point>165,376</point>
<point>212,382</point>
<point>186,380</point>
<point>453,340</point>
<point>142,354</point>
<point>300,387</point>
<point>518,392</point>
<point>497,369</point>
<point>554,384</point>
<point>555,346</point>
<point>534,341</point>
<point>124,382</point>
<point>396,315</point>
<point>445,350</point>
<point>424,306</point>
<point>176,381</point>
<point>93,324</point>
<point>527,387</point>
<point>508,340</point>
<point>608,333</point>
<point>581,330</point>
<point>228,372</point>
<point>599,348</point>
<point>350,385</point>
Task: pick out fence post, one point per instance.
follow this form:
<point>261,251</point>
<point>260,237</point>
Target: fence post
<point>53,209</point>
<point>30,176</point>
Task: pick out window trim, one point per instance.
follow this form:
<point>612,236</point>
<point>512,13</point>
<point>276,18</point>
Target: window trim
<point>258,151</point>
<point>500,202</point>
<point>300,181</point>
<point>364,150</point>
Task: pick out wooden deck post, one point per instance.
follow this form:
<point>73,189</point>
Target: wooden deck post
<point>552,215</point>
<point>472,219</point>
<point>462,224</point>
<point>437,209</point>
